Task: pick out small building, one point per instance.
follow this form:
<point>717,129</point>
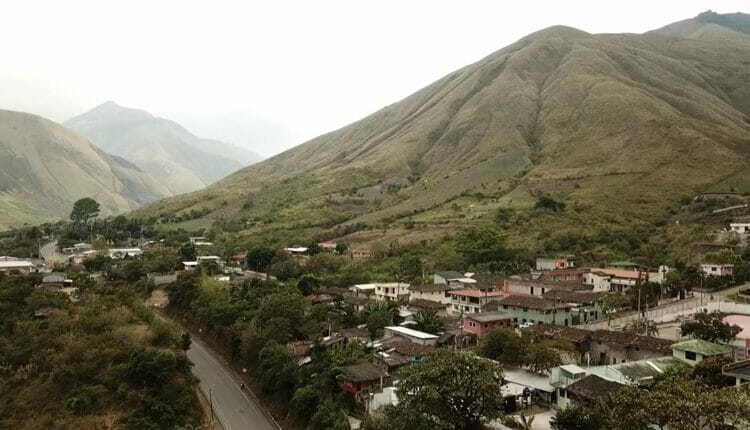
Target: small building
<point>328,246</point>
<point>120,253</point>
<point>411,335</point>
<point>694,351</point>
<point>360,378</point>
<point>545,263</point>
<point>640,373</point>
<point>423,305</point>
<point>586,391</point>
<point>584,304</point>
<point>739,227</point>
<point>453,279</point>
<point>578,337</point>
<point>618,280</point>
<point>195,239</point>
<point>535,310</point>
<point>359,303</point>
<point>612,347</point>
<point>190,265</point>
<point>392,292</point>
<point>740,371</point>
<point>363,289</point>
<point>531,288</point>
<point>298,250</point>
<point>400,354</point>
<point>709,269</point>
<point>482,322</point>
<point>434,292</point>
<point>573,276</point>
<point>472,300</point>
<point>22,266</point>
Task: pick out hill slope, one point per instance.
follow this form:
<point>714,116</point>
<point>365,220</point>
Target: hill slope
<point>161,147</point>
<point>45,167</point>
<point>619,126</point>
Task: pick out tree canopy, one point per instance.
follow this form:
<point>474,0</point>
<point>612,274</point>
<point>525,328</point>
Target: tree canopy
<point>84,210</point>
<point>710,326</point>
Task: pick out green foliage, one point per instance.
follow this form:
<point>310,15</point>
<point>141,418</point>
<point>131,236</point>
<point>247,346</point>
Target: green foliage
<point>502,345</point>
<point>577,417</point>
<point>260,257</point>
<point>285,269</point>
<point>710,326</point>
<point>304,404</point>
<point>84,210</point>
<point>642,327</point>
<point>451,390</point>
<point>547,202</point>
<point>428,321</point>
<point>481,245</point>
<point>708,372</point>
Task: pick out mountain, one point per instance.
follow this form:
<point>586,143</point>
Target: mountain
<point>710,26</point>
<point>620,127</point>
<point>161,147</point>
<point>45,168</point>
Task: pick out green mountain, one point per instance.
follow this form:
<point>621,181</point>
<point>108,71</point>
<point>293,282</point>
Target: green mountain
<point>620,127</point>
<point>45,167</point>
<point>161,147</point>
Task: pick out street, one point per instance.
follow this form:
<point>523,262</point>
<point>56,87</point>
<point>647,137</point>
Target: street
<point>233,407</point>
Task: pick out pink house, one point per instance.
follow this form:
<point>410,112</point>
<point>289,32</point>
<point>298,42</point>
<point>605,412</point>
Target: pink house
<point>482,322</point>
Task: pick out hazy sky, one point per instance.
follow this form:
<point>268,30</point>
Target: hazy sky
<point>270,75</point>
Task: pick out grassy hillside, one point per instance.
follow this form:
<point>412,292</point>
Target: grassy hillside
<point>44,168</point>
<point>161,147</point>
<point>618,127</point>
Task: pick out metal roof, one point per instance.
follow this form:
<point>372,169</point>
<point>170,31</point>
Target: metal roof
<point>700,346</point>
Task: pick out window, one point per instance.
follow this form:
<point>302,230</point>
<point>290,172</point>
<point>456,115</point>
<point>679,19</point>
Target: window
<point>690,355</point>
<point>525,309</point>
<point>486,325</point>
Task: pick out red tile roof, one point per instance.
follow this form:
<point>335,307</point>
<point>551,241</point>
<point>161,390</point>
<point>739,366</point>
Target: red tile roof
<point>472,292</point>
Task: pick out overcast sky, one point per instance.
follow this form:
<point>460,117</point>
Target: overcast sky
<point>270,75</point>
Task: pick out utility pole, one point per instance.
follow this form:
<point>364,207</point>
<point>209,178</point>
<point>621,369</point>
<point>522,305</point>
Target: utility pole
<point>211,406</point>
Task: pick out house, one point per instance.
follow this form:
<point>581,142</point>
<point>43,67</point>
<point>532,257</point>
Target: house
<point>694,351</point>
<point>55,281</point>
<point>531,288</point>
<point>17,265</point>
<point>355,334</point>
<point>578,337</point>
<point>612,347</point>
<point>586,391</point>
<point>555,263</point>
<point>190,265</point>
<point>328,246</point>
<point>400,354</point>
<point>472,300</point>
<point>623,265</point>
<point>360,378</point>
<point>534,310</point>
<point>411,335</point>
<point>299,348</point>
<point>392,292</point>
<point>357,302</point>
<point>561,377</point>
<point>454,279</point>
<point>739,227</point>
<point>584,304</point>
<point>572,276</point>
<point>363,289</point>
<point>618,280</point>
<point>641,372</point>
<point>481,322</point>
<point>376,401</point>
<point>195,239</point>
<point>120,253</point>
<point>434,292</point>
<point>299,250</point>
<point>423,304</point>
<point>740,371</point>
<point>709,269</point>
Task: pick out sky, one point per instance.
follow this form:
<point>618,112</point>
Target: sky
<point>270,75</point>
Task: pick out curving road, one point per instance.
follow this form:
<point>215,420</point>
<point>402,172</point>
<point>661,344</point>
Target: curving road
<point>234,409</point>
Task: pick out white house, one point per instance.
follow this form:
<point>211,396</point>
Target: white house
<point>454,279</point>
<point>435,292</point>
<point>17,265</point>
<point>740,227</point>
<point>617,280</point>
<point>363,289</point>
<point>392,291</point>
<point>709,269</point>
<point>120,253</point>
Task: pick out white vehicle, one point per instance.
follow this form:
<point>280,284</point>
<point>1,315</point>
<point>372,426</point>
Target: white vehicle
<point>526,325</point>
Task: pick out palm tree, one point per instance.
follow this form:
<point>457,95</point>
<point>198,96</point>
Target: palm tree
<point>428,321</point>
<point>389,309</point>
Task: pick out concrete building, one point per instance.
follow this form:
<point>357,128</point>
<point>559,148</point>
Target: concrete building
<point>472,300</point>
<point>531,288</point>
<point>434,292</point>
<point>709,269</point>
<point>454,279</point>
<point>482,322</point>
<point>694,351</point>
<point>534,310</point>
<point>613,347</point>
<point>740,227</point>
<point>14,265</point>
<point>416,336</point>
<point>545,263</point>
<point>392,292</point>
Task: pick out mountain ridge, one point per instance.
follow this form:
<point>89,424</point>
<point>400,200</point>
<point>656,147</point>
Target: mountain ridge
<point>162,147</point>
<point>46,167</point>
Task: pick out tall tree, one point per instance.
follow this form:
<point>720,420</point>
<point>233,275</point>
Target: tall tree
<point>451,390</point>
<point>503,345</point>
<point>428,321</point>
<point>84,210</point>
<point>710,326</point>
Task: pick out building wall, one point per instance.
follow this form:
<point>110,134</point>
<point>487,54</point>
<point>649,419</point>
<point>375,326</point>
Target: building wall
<point>480,329</point>
<point>600,284</point>
<point>435,296</point>
<point>602,353</point>
<point>520,316</point>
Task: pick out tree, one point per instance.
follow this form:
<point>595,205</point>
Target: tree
<point>642,327</point>
<point>185,341</point>
<point>577,417</point>
<point>259,258</point>
<point>452,390</point>
<point>285,269</point>
<point>611,302</point>
<point>708,372</point>
<point>481,245</point>
<point>428,321</point>
<point>341,248</point>
<point>304,404</point>
<point>376,322</point>
<point>547,202</point>
<point>84,210</point>
<point>308,284</point>
<point>541,356</point>
<point>710,326</point>
<point>502,345</point>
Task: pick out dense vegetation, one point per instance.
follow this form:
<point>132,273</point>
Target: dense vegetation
<point>103,361</point>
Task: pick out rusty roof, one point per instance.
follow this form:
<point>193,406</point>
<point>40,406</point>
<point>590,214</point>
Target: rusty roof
<point>628,340</point>
<point>551,331</point>
<point>531,302</point>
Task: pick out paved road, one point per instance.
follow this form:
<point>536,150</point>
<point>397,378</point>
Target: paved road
<point>233,407</point>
